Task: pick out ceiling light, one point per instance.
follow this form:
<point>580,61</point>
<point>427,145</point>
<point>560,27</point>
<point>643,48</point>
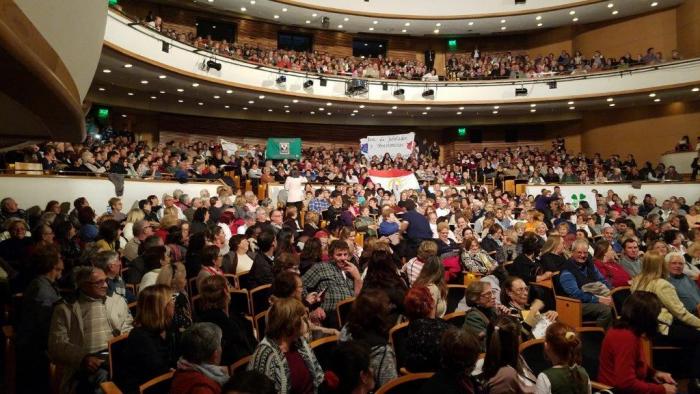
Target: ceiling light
<point>355,111</point>
<point>539,24</point>
<point>227,107</point>
<point>436,31</point>
<point>308,21</point>
<point>276,16</point>
<point>321,109</point>
<point>314,15</point>
<point>245,108</point>
<point>533,110</point>
<point>181,90</point>
<point>570,103</point>
<point>459,113</point>
<point>144,82</point>
<point>425,113</point>
<point>243,9</point>
<point>362,106</point>
<point>252,1</point>
<point>403,30</point>
<point>503,28</point>
<point>615,12</point>
<point>611,5</point>
<point>533,105</point>
<point>407,24</point>
<point>286,111</point>
<point>371,29</point>
<point>471,23</point>
<point>494,112</point>
<point>572,107</point>
<point>295,101</point>
<point>200,103</point>
<point>329,113</point>
<point>610,99</point>
<point>162,77</point>
<point>153,97</point>
<point>503,21</point>
<point>251,102</point>
<point>375,22</point>
<point>269,110</point>
<point>130,94</point>
<point>194,85</point>
<point>538,17</point>
<point>123,115</point>
<point>312,113</point>
<point>162,92</point>
<point>394,107</point>
<point>652,94</point>
<point>352,114</point>
<point>261,97</point>
<point>180,101</point>
<point>128,65</point>
<point>656,100</point>
<point>654,4</point>
<point>572,12</point>
<point>101,89</point>
<point>461,108</point>
<point>611,104</point>
<point>496,107</point>
<point>695,90</point>
<point>229,91</point>
<point>346,19</point>
<point>438,24</point>
<point>329,104</point>
<point>340,26</point>
<point>575,20</point>
<point>217,97</point>
<point>284,10</point>
<point>427,108</point>
<point>106,71</point>
<point>389,112</point>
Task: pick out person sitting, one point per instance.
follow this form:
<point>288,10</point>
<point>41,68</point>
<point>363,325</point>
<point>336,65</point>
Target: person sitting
<point>493,243</point>
<point>382,273</point>
<point>81,327</point>
<point>563,348</point>
<point>111,264</point>
<point>686,288</point>
<point>154,258</point>
<point>482,310</point>
<point>198,370</point>
<point>261,269</point>
<point>514,296</point>
<point>446,245</point>
<point>630,257</point>
<point>622,362</point>
<point>504,370</point>
<point>605,261</point>
<point>432,276</point>
<point>283,355</point>
<point>338,279</point>
<point>413,267</point>
<point>580,271</point>
<point>174,276</point>
<point>524,266</point>
<point>368,323</point>
<point>350,371</point>
<point>211,264</point>
<point>288,284</point>
<point>424,331</point>
<point>478,261</point>
<point>552,254</point>
<point>459,351</point>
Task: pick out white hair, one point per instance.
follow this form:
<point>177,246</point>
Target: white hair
<point>671,255</point>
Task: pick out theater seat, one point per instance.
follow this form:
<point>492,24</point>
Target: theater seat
<point>158,385</point>
<point>455,318</point>
<point>342,310</point>
<point>397,338</point>
<point>323,349</point>
<point>407,384</point>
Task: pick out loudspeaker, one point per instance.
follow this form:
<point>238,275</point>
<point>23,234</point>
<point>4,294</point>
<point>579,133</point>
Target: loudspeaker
<point>520,91</point>
<point>385,86</point>
<point>511,136</point>
<point>323,82</point>
<point>475,136</point>
<point>308,84</point>
<point>166,47</point>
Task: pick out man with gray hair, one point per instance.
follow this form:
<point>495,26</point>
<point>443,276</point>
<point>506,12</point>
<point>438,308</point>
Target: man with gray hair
<point>81,328</point>
<point>198,369</point>
<point>195,203</point>
<point>109,262</point>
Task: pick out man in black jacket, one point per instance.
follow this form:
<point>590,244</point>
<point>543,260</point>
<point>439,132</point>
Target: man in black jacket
<point>261,270</point>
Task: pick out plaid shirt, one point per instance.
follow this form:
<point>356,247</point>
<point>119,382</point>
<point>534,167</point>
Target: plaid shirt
<point>318,205</point>
<point>327,276</point>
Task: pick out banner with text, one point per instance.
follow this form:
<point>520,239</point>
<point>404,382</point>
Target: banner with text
<point>379,145</point>
<point>283,148</point>
<point>394,180</point>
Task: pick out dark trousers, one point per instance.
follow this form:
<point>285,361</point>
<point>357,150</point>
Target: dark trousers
<point>688,339</point>
<point>601,313</point>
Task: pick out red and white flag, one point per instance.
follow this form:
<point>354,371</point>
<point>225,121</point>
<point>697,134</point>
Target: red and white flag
<point>394,180</point>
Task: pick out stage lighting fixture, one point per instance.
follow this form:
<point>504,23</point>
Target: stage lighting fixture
<point>430,93</point>
<point>281,79</point>
<point>308,84</point>
<point>213,64</point>
<point>399,92</point>
<point>520,91</point>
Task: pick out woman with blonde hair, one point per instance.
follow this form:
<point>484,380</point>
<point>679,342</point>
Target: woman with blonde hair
<point>552,257</point>
<point>432,276</point>
<point>251,201</point>
<point>174,275</point>
<point>148,351</point>
<point>134,215</point>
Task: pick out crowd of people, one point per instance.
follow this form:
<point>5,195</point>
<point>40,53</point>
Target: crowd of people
<point>166,272</point>
<point>459,66</point>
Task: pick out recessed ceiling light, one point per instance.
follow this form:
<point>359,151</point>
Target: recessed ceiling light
<point>394,107</point>
<point>471,23</point>
<point>355,111</point>
<point>496,107</point>
<point>269,110</point>
<point>438,24</point>
<point>245,108</point>
<point>128,65</point>
<point>424,113</point>
<point>533,105</point>
<point>533,110</point>
<point>611,104</point>
<point>180,101</point>
<point>295,101</point>
<point>389,112</point>
<point>276,16</point>
<point>252,1</point>
<point>284,10</point>
<point>503,21</point>
<point>436,31</point>
<point>308,21</point>
<point>403,30</point>
<point>362,106</point>
<point>123,115</point>
<point>329,113</point>
<point>459,113</point>
<point>200,103</point>
<point>162,77</point>
<point>538,17</point>
<point>572,107</point>
<point>261,97</point>
<point>375,22</point>
<point>652,94</point>
<point>285,106</point>
<point>321,109</point>
<point>243,9</point>
<point>227,106</point>
<point>229,91</point>
<point>352,114</point>
<point>194,85</point>
<point>494,112</point>
<point>575,20</point>
<point>106,71</point>
<point>144,82</point>
<point>286,111</point>
<point>656,100</point>
<point>610,99</point>
<point>346,19</point>
<point>340,26</point>
<point>371,29</point>
<point>695,90</point>
<point>251,102</point>
<point>572,12</point>
<point>181,90</point>
<point>329,104</point>
<point>217,97</point>
<point>539,24</point>
<point>130,94</point>
<point>615,12</point>
<point>570,103</point>
<point>162,92</point>
<point>654,4</point>
<point>611,5</point>
<point>407,24</point>
<point>503,27</point>
<point>314,15</point>
<point>427,108</point>
<point>461,108</point>
<point>153,97</point>
<point>101,89</point>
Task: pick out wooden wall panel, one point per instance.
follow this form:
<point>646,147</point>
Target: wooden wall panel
<point>688,28</point>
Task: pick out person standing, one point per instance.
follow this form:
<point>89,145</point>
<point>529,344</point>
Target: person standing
<point>294,185</point>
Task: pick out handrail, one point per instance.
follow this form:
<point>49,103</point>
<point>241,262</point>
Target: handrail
<point>86,175</point>
<point>372,81</point>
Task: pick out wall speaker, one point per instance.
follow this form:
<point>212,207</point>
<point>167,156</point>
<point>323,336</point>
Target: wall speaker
<point>213,64</point>
<point>323,82</point>
<point>399,92</point>
<point>520,91</point>
<point>430,93</point>
<point>385,86</point>
<point>166,47</point>
<point>308,84</point>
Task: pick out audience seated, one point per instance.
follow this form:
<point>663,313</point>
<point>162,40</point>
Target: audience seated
<point>514,296</point>
<point>432,276</point>
<point>504,370</point>
<point>424,331</point>
<point>198,369</point>
<point>459,350</point>
<point>482,310</point>
<point>608,266</point>
<point>563,348</point>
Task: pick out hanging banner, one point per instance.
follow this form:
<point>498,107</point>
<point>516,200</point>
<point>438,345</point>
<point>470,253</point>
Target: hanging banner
<point>394,180</point>
<point>283,148</point>
<point>379,145</point>
<point>229,147</point>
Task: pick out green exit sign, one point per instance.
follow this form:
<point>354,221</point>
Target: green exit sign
<point>462,131</point>
<point>452,44</point>
<point>112,2</point>
<point>103,113</point>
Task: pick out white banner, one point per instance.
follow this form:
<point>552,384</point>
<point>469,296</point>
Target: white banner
<point>229,147</point>
<point>394,180</point>
<point>379,145</point>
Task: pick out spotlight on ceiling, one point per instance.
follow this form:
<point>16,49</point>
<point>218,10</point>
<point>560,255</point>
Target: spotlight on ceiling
<point>399,92</point>
<point>281,79</point>
<point>309,83</point>
<point>213,64</point>
<point>428,94</point>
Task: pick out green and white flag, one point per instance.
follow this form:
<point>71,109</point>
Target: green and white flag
<point>283,148</point>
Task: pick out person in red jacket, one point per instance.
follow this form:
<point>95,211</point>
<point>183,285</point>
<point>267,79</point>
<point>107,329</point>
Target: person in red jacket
<point>198,371</point>
<point>622,364</point>
<point>605,260</point>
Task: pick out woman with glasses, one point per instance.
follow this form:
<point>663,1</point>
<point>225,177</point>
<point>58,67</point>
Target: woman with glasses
<point>482,309</point>
<point>174,276</point>
<point>514,296</point>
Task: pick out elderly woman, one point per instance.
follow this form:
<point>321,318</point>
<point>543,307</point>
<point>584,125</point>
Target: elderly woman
<point>211,264</point>
<point>283,355</point>
<point>175,276</point>
<point>692,258</point>
<point>686,287</point>
<point>482,309</point>
<point>198,369</point>
<point>514,296</point>
<point>424,331</point>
